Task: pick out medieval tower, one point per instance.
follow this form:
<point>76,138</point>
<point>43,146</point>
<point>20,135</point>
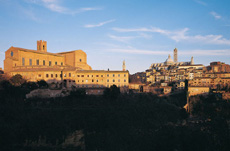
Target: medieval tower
<point>192,61</point>
<point>42,46</point>
<point>175,55</point>
<point>124,66</point>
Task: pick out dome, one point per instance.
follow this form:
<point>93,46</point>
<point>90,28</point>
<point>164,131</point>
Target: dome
<point>169,61</point>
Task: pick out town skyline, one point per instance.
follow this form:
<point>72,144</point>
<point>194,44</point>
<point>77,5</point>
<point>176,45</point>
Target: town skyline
<point>107,32</point>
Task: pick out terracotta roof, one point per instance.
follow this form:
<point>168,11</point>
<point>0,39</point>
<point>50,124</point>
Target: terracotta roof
<point>70,51</point>
<point>35,51</point>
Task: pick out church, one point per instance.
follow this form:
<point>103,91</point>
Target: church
<point>174,62</point>
<point>70,67</point>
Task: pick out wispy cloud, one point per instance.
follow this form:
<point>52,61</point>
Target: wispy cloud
<point>124,39</point>
<point>127,39</point>
<point>221,52</point>
<point>30,14</point>
<point>55,6</point>
<point>99,24</point>
<point>180,35</point>
<point>200,2</point>
<point>215,15</point>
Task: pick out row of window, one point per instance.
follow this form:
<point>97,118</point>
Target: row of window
<point>39,63</point>
<point>100,75</point>
<point>98,86</point>
<point>101,80</point>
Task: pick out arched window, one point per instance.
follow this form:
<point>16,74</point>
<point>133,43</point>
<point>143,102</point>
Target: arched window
<point>11,53</point>
<point>43,47</point>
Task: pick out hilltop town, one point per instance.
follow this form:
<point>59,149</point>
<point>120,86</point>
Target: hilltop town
<point>70,70</point>
<point>56,101</point>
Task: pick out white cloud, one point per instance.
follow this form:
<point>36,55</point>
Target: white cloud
<point>221,52</point>
<point>122,39</point>
<point>99,24</point>
<point>54,5</point>
<point>215,15</point>
<point>30,14</point>
<point>139,51</point>
<point>180,35</point>
<point>201,2</point>
<point>126,39</point>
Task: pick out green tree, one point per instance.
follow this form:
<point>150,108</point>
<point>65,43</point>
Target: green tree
<point>17,80</point>
<point>42,84</point>
<point>113,92</point>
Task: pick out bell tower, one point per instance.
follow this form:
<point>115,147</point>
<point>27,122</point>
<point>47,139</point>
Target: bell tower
<point>42,46</point>
<point>192,61</point>
<point>124,66</point>
<point>175,55</point>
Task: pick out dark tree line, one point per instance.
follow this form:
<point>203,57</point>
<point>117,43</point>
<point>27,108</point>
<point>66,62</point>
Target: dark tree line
<point>112,121</point>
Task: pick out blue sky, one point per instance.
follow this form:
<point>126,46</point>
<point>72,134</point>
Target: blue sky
<point>141,32</point>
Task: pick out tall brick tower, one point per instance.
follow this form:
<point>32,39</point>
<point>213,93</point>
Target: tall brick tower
<point>192,61</point>
<point>42,46</point>
<point>124,66</point>
<point>175,55</point>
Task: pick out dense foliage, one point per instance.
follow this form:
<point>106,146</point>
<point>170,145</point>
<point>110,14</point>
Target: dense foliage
<point>111,122</point>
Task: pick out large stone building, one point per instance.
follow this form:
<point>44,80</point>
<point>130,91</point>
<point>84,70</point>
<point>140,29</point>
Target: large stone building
<point>69,67</point>
<point>174,62</point>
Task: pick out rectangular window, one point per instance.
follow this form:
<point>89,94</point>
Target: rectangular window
<point>97,75</point>
<point>23,61</point>
<point>113,75</point>
<point>44,62</point>
<point>118,75</point>
<point>69,74</point>
<point>56,63</point>
<point>50,63</point>
<point>30,62</point>
<point>87,75</point>
<point>107,75</point>
<point>107,80</point>
<point>56,75</point>
<point>51,75</point>
<point>92,80</point>
<point>39,75</point>
<point>101,75</point>
<point>124,80</point>
<point>47,75</point>
<point>78,75</point>
<point>82,80</point>
<point>37,62</point>
<point>118,80</point>
<point>124,75</point>
<point>62,63</point>
<point>113,80</point>
<point>82,75</point>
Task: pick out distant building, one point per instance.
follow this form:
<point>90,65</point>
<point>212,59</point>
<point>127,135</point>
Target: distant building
<point>69,67</point>
<point>218,67</point>
<point>169,62</point>
<point>198,91</point>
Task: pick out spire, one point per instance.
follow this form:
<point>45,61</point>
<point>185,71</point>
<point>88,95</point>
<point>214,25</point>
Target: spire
<point>192,60</point>
<point>169,57</point>
<point>124,66</point>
